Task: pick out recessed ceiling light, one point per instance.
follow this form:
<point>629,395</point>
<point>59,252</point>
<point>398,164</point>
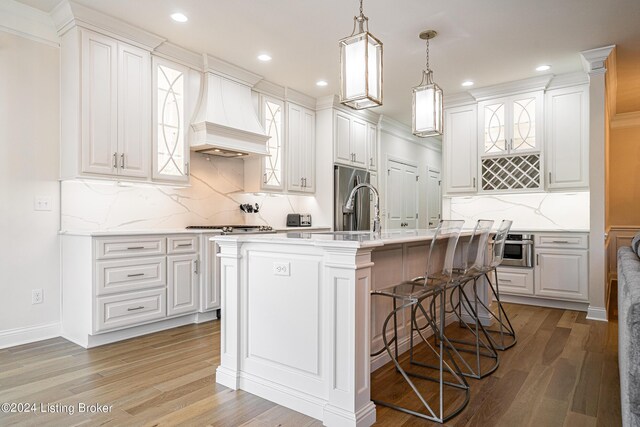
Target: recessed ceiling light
<point>543,68</point>
<point>321,83</point>
<point>238,154</point>
<point>179,17</point>
<point>467,83</point>
<point>264,57</point>
<point>217,150</point>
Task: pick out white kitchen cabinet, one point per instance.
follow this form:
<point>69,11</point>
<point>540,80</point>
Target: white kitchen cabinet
<point>182,284</point>
<point>511,125</point>
<point>134,284</point>
<point>567,138</point>
<point>353,141</point>
<point>562,274</point>
<point>115,109</point>
<point>301,146</point>
<point>372,146</point>
<point>515,280</point>
<point>171,117</point>
<point>460,149</point>
<point>209,274</point>
<point>561,269</point>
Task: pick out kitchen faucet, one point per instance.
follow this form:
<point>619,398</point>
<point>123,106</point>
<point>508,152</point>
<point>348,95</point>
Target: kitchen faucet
<point>348,206</point>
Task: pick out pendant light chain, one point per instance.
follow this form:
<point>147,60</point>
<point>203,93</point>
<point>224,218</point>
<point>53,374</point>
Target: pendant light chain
<point>428,69</point>
<point>361,10</point>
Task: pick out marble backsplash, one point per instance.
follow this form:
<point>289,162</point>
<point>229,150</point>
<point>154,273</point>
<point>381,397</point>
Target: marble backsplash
<point>531,211</point>
<point>213,197</point>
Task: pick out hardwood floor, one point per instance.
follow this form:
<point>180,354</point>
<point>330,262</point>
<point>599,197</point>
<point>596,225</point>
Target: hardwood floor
<point>562,372</point>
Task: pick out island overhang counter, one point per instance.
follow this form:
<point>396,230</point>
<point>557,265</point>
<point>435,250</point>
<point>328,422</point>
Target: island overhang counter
<point>298,323</point>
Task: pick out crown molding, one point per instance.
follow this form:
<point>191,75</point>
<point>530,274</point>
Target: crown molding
<point>332,101</point>
<point>266,87</point>
<point>181,55</point>
<point>300,98</point>
<point>458,100</point>
<point>511,88</point>
<point>402,131</point>
<point>68,14</point>
<point>593,60</point>
<point>569,79</point>
<point>230,71</point>
<point>626,120</point>
<point>28,22</point>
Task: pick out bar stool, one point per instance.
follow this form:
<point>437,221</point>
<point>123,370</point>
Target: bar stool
<point>472,268</point>
<point>505,329</point>
<point>407,295</point>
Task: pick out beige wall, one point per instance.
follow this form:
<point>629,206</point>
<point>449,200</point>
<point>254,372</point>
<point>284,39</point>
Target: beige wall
<point>624,176</point>
<point>29,147</point>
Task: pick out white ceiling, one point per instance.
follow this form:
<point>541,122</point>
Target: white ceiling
<point>488,41</point>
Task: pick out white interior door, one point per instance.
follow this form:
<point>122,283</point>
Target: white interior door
<point>402,195</point>
<point>410,196</point>
<point>434,197</point>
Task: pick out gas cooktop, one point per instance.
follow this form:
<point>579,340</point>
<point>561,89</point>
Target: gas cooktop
<point>233,229</point>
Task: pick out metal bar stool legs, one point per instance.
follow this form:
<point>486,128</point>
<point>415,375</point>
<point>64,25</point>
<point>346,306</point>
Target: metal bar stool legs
<point>430,412</point>
<point>507,335</point>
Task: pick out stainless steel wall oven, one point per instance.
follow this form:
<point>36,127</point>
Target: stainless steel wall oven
<point>518,251</point>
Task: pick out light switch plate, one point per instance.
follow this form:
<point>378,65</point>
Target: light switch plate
<point>282,268</point>
<point>43,203</point>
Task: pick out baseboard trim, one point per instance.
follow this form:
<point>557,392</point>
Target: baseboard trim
<point>19,336</point>
<point>597,313</point>
<point>543,302</point>
<point>90,341</point>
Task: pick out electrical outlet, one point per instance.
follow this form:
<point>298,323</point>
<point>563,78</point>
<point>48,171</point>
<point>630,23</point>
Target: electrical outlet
<point>37,296</point>
<point>281,269</point>
<point>43,203</point>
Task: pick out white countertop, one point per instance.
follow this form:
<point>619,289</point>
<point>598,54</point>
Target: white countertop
<point>103,233</point>
<point>548,230</point>
<point>146,232</point>
<point>358,239</point>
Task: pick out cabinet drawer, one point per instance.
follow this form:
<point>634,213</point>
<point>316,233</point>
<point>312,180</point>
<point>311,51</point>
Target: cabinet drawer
<point>128,247</point>
<point>570,241</point>
<point>182,244</point>
<point>118,311</point>
<point>513,280</point>
<point>124,275</point>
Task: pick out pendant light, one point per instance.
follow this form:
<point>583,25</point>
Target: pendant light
<point>427,100</point>
<point>361,66</point>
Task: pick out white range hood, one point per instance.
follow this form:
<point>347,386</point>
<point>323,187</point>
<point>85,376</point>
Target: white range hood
<point>226,123</point>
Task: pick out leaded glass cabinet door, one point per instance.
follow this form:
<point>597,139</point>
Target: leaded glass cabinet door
<point>272,111</point>
<point>526,120</point>
<point>170,145</point>
<point>494,134</point>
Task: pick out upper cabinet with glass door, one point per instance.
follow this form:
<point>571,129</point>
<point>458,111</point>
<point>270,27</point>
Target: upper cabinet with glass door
<point>272,112</point>
<point>170,118</point>
<point>511,125</point>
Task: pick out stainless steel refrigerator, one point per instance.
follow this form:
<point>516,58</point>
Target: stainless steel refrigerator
<point>344,179</point>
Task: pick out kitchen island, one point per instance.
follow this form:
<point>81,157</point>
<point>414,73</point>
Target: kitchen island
<point>298,323</point>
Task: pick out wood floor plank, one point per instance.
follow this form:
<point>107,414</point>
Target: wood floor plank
<point>563,371</point>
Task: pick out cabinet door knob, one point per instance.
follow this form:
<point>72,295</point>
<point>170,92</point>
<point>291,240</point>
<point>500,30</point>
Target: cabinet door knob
<point>264,178</point>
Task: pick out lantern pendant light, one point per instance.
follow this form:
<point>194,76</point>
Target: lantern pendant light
<point>361,66</point>
<point>427,100</point>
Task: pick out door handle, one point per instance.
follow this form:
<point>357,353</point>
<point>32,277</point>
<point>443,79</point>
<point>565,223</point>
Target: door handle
<point>115,160</point>
<point>196,266</point>
<point>474,183</point>
<point>122,161</point>
<point>135,275</point>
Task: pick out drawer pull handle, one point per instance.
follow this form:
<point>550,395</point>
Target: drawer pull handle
<point>504,280</point>
<point>135,308</point>
<point>135,247</point>
<point>560,241</point>
<point>135,275</point>
<point>183,245</point>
